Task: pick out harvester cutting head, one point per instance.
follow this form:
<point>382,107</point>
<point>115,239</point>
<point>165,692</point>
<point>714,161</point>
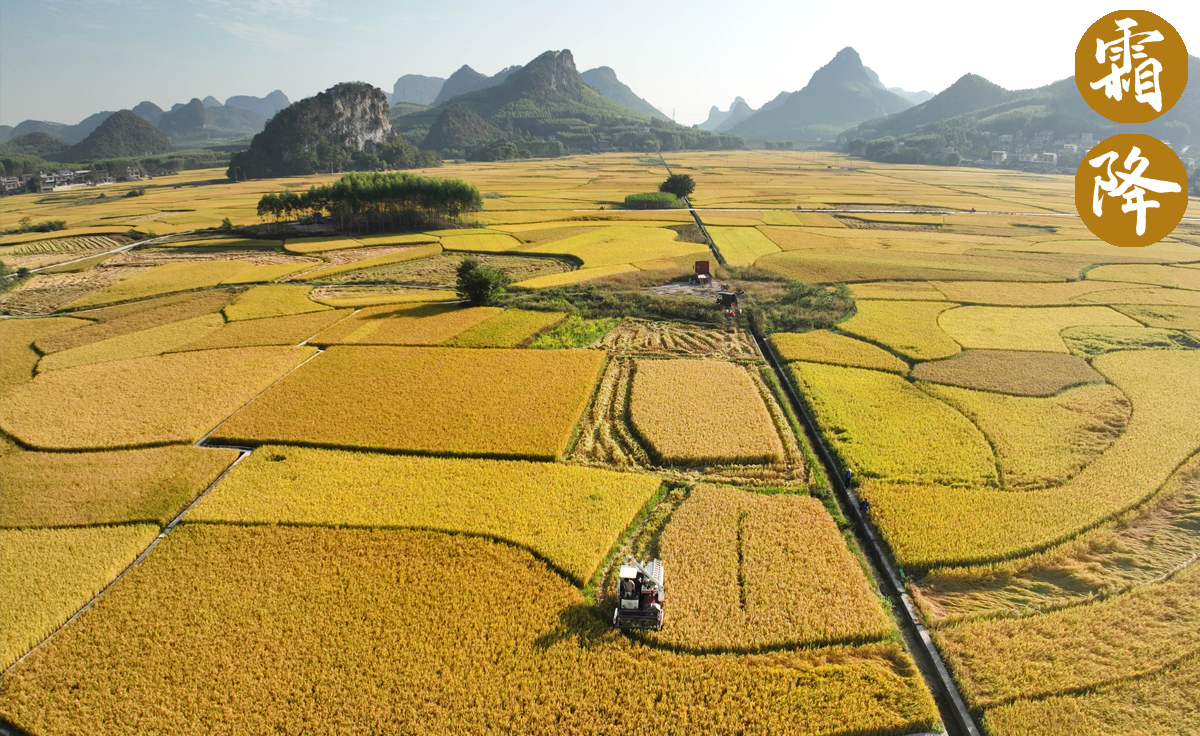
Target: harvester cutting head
<point>640,595</point>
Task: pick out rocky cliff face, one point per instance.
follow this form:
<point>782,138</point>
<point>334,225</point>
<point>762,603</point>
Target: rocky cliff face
<point>338,128</point>
<point>356,114</point>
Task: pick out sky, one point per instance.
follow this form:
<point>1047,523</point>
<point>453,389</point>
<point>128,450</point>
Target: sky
<point>63,60</point>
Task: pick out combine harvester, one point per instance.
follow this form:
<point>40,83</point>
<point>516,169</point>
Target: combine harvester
<point>640,595</point>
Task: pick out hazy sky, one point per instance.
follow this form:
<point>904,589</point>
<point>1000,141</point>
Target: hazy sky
<point>62,60</point>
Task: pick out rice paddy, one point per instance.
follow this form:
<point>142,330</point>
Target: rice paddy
<point>425,400</point>
<point>908,328</point>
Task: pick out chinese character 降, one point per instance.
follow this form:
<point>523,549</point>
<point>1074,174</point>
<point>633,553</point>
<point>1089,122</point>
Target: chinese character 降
<point>1125,50</point>
<point>1129,184</point>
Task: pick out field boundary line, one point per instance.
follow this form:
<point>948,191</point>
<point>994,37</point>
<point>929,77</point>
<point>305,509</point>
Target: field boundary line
<point>712,244</point>
<point>304,342</point>
<point>202,442</point>
<point>949,698</point>
<point>154,543</point>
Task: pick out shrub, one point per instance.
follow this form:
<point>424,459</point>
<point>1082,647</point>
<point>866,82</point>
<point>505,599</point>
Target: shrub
<point>479,284</point>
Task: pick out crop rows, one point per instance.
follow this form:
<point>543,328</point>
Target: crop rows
<point>1020,372</point>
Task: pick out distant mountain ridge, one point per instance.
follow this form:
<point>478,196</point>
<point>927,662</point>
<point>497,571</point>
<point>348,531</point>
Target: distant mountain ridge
<point>417,89</point>
<point>604,80</point>
<point>545,108</point>
<point>839,95</point>
<point>467,80</point>
<point>969,115</point>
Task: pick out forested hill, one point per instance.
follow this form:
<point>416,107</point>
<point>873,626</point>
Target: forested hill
<point>122,134</point>
<point>970,115</point>
<point>546,108</point>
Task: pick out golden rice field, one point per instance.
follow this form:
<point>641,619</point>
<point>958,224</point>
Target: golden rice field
<point>1088,342</point>
<point>1142,546</point>
<point>135,317</point>
<point>43,489</point>
<point>153,341</point>
<point>908,328</point>
<point>17,355</point>
<point>444,401</point>
<point>823,346</point>
<point>749,571</point>
<point>909,291</point>
<point>408,254</point>
<point>668,410</point>
<point>1012,328</point>
<point>420,324</point>
<point>172,399</point>
<point>173,277</point>
<point>884,427</point>
<point>292,329</point>
<point>619,245</point>
<point>60,569</point>
<point>371,296</point>
<point>569,516</point>
<point>428,632</point>
<point>1179,278</point>
<point>322,245</point>
<point>742,246</point>
<point>1022,294</point>
<point>509,329</point>
<point>1042,442</point>
<point>1130,635</point>
<point>274,300</point>
<point>930,526</point>
<point>1020,372</point>
<point>1155,705</point>
<point>1165,317</point>
<point>579,276</point>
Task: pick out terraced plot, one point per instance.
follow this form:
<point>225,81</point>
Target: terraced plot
<point>751,571</point>
<point>251,614</point>
<point>1042,442</point>
<point>928,525</point>
<point>43,489</point>
<point>884,427</point>
<point>742,246</point>
<point>174,399</point>
<point>274,300</point>
<point>153,341</point>
<point>172,277</point>
<point>569,516</point>
<point>421,324</point>
<point>909,328</point>
<point>1010,328</point>
<point>126,318</point>
<point>823,346</point>
<point>1024,373</point>
<point>17,337</point>
<point>509,329</point>
<point>664,412</point>
<point>426,400</point>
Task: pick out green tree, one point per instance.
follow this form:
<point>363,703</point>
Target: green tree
<point>681,185</point>
<point>479,284</point>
